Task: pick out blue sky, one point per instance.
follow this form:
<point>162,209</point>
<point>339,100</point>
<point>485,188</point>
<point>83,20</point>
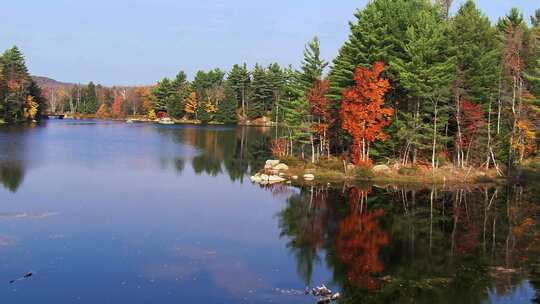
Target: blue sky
<point>139,41</point>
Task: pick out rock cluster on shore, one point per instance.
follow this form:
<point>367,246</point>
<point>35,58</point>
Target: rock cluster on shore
<point>275,171</point>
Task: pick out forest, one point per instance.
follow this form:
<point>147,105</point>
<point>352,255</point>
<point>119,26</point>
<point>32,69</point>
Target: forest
<point>413,84</point>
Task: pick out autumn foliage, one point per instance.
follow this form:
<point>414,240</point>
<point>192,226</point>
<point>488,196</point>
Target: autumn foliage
<point>359,241</point>
<point>363,113</point>
<point>102,112</point>
<point>320,109</point>
<point>116,109</point>
<point>473,121</point>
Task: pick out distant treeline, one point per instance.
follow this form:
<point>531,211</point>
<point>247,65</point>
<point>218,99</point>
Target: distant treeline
<point>412,84</point>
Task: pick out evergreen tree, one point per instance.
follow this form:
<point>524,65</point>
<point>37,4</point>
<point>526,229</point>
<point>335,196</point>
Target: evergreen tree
<point>15,75</point>
<point>205,112</point>
<point>226,111</point>
<point>161,93</point>
<point>477,55</point>
<point>176,98</point>
<point>376,35</point>
<point>262,95</point>
<point>239,80</point>
<point>276,81</point>
<point>426,73</point>
<point>313,65</point>
<point>91,100</point>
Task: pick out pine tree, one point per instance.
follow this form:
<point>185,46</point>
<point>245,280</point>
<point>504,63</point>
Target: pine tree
<point>376,35</point>
<point>179,90</point>
<point>477,55</point>
<point>313,65</point>
<point>161,93</point>
<point>16,77</point>
<point>261,96</point>
<point>239,80</point>
<point>426,73</point>
<point>276,82</point>
<point>226,111</point>
<point>91,100</point>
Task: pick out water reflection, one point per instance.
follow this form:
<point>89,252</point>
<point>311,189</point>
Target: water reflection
<point>235,151</point>
<point>12,152</point>
<point>11,175</point>
<point>394,244</point>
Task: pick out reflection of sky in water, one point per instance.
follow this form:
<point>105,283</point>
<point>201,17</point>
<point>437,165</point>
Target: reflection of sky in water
<point>125,226</point>
<point>115,213</point>
<point>522,293</point>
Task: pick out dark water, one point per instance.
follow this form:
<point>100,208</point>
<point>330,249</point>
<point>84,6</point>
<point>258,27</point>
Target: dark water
<point>115,213</point>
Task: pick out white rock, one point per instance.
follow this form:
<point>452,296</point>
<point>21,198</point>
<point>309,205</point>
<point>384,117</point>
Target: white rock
<point>272,162</point>
<point>309,176</point>
<point>264,177</point>
<point>380,168</point>
<point>275,179</point>
<point>281,167</point>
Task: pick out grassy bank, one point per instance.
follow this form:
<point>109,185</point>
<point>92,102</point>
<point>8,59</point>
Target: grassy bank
<point>334,171</point>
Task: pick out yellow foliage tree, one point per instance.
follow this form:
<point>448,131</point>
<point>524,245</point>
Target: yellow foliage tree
<point>191,104</point>
<point>210,107</point>
<point>31,108</point>
<point>525,144</point>
<point>151,114</point>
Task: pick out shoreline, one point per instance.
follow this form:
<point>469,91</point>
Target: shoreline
<point>143,119</point>
<point>331,172</point>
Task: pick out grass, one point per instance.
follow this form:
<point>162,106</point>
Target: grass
<point>332,171</point>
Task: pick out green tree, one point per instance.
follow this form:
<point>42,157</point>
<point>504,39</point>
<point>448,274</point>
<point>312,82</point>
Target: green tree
<point>426,73</point>
<point>477,55</point>
<point>239,80</point>
<point>226,111</point>
<point>175,99</point>
<point>376,35</point>
<point>90,99</point>
<point>161,94</point>
<point>262,94</point>
<point>313,65</point>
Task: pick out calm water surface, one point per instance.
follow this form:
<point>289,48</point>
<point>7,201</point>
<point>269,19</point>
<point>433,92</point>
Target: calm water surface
<point>106,212</point>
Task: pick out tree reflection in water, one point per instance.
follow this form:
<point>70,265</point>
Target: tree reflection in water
<point>395,244</point>
<point>359,240</point>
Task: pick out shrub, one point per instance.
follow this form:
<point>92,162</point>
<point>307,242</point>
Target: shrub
<point>332,163</point>
<point>407,170</point>
<point>363,173</point>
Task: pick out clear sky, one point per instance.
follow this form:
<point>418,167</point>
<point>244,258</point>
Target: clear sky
<point>139,41</point>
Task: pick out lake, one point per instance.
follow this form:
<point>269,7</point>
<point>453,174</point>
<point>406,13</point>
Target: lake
<point>108,212</point>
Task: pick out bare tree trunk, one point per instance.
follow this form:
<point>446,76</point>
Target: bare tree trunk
<point>433,152</point>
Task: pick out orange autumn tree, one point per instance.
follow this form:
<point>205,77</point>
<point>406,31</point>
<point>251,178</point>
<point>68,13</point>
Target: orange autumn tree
<point>363,113</point>
<point>102,112</point>
<point>116,108</point>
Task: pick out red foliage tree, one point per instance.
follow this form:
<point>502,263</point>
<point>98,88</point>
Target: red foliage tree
<point>320,109</point>
<point>362,111</point>
<point>473,121</point>
<point>116,108</point>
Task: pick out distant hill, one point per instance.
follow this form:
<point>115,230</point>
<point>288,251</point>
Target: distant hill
<point>49,83</point>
